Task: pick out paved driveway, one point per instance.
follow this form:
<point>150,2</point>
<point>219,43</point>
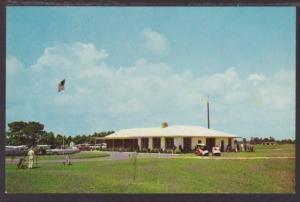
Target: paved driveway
<point>129,155</point>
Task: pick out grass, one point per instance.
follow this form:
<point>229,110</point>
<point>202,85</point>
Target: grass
<point>81,155</point>
<point>286,150</point>
<point>159,175</point>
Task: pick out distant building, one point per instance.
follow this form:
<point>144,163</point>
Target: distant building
<point>166,137</point>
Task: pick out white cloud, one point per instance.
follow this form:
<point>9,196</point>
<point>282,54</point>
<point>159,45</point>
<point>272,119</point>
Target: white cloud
<point>101,97</point>
<point>155,42</point>
<point>257,77</point>
<point>16,81</point>
<point>14,66</point>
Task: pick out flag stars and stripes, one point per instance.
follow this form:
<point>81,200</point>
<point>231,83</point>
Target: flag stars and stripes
<point>61,86</point>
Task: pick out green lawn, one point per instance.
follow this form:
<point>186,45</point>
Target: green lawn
<point>159,175</point>
<point>81,155</point>
<point>287,150</point>
<point>267,151</point>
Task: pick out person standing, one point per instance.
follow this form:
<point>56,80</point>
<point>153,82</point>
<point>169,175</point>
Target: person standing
<point>67,160</point>
<point>30,157</point>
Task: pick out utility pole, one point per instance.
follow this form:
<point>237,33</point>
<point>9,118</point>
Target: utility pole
<point>208,121</point>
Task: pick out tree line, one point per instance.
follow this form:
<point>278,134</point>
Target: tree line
<point>259,140</point>
<point>33,133</point>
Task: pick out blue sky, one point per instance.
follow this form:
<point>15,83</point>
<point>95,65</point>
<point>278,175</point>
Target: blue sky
<point>136,67</point>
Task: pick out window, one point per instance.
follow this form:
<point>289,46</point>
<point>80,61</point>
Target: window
<point>169,143</point>
<point>229,142</point>
<point>144,143</point>
<point>156,143</point>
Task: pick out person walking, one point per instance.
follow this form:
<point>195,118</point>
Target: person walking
<point>30,158</point>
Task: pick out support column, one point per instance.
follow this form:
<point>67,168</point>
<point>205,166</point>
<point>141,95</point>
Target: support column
<point>178,141</point>
<point>140,142</point>
<point>162,143</point>
<point>150,143</point>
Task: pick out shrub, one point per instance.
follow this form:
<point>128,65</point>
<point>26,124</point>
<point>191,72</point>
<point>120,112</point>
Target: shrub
<point>169,151</point>
<point>155,150</point>
<point>144,150</point>
<point>177,151</point>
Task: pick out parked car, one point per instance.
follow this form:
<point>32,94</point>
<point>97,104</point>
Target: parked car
<point>95,147</point>
<point>101,146</point>
<point>16,150</point>
<point>83,147</point>
<point>42,149</point>
<point>60,151</point>
<point>201,150</point>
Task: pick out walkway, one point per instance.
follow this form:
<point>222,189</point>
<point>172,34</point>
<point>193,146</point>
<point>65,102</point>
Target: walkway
<point>130,155</point>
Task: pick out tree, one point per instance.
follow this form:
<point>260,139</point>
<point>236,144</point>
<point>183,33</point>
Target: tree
<point>34,132</point>
<point>48,138</point>
<point>266,140</point>
<point>68,140</point>
<point>51,138</point>
<point>84,139</point>
<point>77,139</point>
<point>16,135</point>
<point>59,140</point>
<point>101,134</point>
<point>256,140</point>
<point>271,139</point>
<point>12,139</point>
<point>28,133</point>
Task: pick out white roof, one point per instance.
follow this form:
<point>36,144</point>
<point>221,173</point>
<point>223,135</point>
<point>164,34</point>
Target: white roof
<point>170,131</point>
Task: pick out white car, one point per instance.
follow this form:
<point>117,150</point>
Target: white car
<point>70,150</point>
<point>103,146</point>
<point>216,151</point>
<point>98,146</point>
<point>16,150</point>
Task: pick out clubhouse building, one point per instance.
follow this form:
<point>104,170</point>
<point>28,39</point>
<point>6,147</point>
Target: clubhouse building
<point>166,138</point>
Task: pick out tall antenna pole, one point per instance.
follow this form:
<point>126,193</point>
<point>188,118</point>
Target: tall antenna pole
<point>63,144</point>
<point>208,122</point>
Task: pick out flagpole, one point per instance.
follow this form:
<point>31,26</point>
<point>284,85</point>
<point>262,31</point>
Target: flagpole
<point>208,120</point>
<point>63,144</point>
<point>61,87</point>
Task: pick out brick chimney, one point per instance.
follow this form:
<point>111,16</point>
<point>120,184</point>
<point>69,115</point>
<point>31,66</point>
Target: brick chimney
<point>164,124</point>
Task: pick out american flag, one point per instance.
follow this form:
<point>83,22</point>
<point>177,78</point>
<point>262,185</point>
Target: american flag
<point>61,86</point>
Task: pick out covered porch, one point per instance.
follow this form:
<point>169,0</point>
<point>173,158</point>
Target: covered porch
<point>118,144</point>
<point>147,144</point>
